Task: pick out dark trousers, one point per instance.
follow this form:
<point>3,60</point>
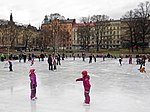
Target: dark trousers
<point>58,62</point>
<point>10,68</point>
<point>50,67</point>
<point>87,97</point>
<point>33,93</point>
<point>55,67</point>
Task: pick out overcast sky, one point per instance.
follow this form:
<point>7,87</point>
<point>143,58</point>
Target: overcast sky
<point>33,11</point>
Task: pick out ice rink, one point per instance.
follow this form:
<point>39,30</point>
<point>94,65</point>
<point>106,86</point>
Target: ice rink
<point>114,88</point>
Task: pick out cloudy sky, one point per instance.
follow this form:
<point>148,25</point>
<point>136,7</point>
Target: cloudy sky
<point>33,11</point>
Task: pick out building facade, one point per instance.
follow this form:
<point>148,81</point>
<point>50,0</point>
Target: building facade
<point>17,36</point>
<point>59,31</point>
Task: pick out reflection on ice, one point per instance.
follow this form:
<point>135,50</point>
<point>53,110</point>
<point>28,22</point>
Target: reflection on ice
<point>33,106</point>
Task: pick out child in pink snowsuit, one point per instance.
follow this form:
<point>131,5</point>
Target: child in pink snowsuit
<point>130,59</point>
<point>33,84</point>
<point>85,78</point>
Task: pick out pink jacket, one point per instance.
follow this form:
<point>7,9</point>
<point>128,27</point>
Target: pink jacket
<point>86,82</point>
<point>33,80</point>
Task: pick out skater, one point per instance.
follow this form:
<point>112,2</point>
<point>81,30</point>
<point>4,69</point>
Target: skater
<point>58,59</point>
<point>54,63</point>
<point>42,56</point>
<point>85,78</point>
<point>137,60</point>
<point>50,63</point>
<point>20,57</point>
<point>94,56</point>
<point>142,62</point>
<point>73,55</point>
<point>24,57</point>
<point>63,56</point>
<point>83,56</point>
<point>33,84</point>
<point>10,65</point>
<point>103,57</point>
<point>2,57</point>
<point>130,59</point>
<point>29,57</point>
<point>90,58</point>
<point>120,61</point>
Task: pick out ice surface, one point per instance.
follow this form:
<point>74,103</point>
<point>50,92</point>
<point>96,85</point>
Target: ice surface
<point>114,88</point>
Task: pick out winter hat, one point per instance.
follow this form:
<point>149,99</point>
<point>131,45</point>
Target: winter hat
<point>32,70</point>
<point>84,73</point>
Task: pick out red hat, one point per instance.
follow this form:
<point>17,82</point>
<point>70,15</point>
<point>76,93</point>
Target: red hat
<point>32,70</point>
<point>84,73</point>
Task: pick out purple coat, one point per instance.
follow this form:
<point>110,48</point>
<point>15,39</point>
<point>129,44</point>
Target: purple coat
<point>33,83</point>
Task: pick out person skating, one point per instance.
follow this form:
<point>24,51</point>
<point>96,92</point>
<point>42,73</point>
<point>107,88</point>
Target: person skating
<point>33,84</point>
<point>54,63</point>
<point>20,57</point>
<point>2,57</point>
<point>24,57</point>
<point>10,65</point>
<point>90,58</point>
<point>42,56</point>
<point>50,63</point>
<point>120,61</point>
<point>94,56</point>
<point>86,83</point>
<point>130,59</point>
<point>83,56</point>
<point>58,59</point>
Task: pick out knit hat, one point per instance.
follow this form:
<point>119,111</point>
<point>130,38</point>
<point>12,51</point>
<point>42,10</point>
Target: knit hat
<point>84,73</point>
<point>32,70</point>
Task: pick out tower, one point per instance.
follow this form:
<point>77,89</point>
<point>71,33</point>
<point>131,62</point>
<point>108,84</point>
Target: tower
<point>11,17</point>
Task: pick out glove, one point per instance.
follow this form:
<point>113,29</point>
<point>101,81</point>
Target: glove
<point>77,80</point>
<point>86,91</point>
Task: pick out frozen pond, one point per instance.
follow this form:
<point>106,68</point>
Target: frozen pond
<point>114,88</point>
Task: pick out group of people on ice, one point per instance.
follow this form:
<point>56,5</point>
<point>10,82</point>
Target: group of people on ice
<point>140,60</point>
<point>54,60</point>
<point>85,79</point>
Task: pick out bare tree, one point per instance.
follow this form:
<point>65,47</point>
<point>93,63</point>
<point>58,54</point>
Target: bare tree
<point>101,22</point>
<point>64,36</point>
<point>84,32</point>
<point>131,21</point>
<point>142,12</point>
<point>27,35</point>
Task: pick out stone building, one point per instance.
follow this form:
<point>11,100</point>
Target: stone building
<point>17,36</point>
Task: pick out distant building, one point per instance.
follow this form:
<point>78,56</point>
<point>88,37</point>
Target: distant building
<point>60,31</point>
<point>17,36</point>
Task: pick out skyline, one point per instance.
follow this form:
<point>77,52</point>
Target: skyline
<point>33,12</point>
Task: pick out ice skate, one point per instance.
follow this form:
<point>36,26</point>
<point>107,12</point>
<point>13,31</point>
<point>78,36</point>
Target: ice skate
<point>86,104</point>
<point>34,98</point>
